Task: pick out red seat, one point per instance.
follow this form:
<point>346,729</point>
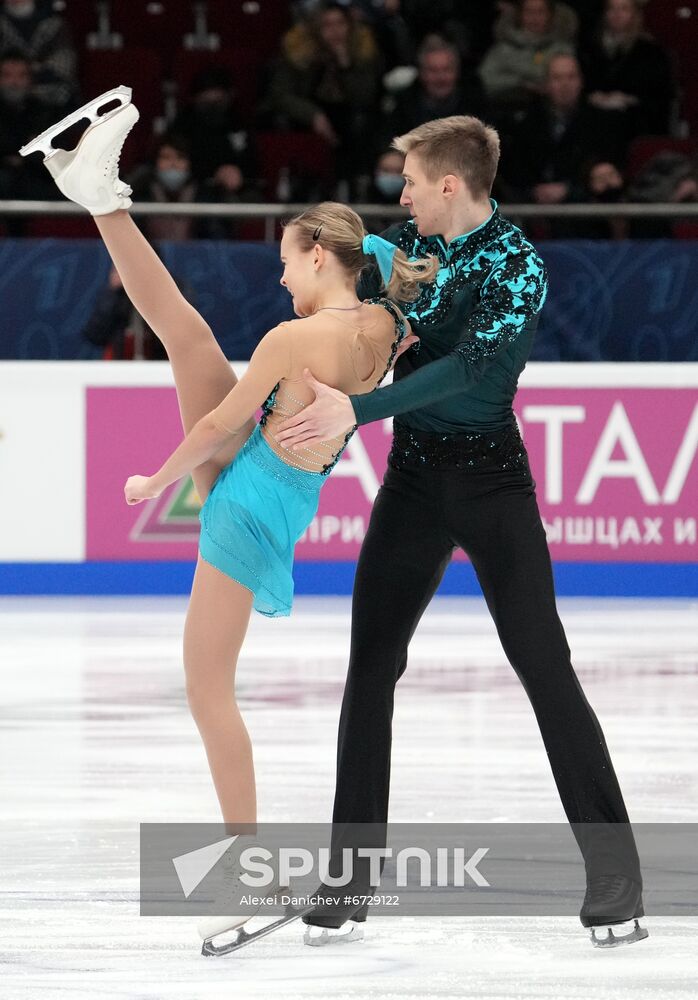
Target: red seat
<point>137,68</point>
<point>256,25</point>
<point>81,15</point>
<point>645,147</point>
<point>674,23</point>
<point>160,26</point>
<point>306,155</point>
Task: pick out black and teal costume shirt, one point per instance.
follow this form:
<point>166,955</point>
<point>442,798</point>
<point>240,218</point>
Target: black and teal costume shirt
<point>476,322</point>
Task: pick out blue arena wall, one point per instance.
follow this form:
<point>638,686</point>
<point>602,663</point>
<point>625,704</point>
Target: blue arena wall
<point>613,301</point>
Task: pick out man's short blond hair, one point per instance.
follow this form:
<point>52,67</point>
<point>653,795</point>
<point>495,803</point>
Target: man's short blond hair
<point>460,145</point>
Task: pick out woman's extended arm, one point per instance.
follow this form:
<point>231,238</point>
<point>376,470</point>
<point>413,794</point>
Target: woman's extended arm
<point>270,363</point>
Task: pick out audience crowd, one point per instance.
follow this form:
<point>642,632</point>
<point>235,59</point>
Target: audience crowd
<point>573,88</point>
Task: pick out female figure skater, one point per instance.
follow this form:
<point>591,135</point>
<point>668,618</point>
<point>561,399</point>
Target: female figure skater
<point>258,497</point>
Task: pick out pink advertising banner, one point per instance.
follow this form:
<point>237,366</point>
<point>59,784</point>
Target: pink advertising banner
<point>615,468</point>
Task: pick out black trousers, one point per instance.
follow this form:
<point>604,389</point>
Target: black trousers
<point>420,516</point>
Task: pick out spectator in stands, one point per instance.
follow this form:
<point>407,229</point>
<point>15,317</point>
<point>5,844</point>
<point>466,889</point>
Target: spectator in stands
<point>390,29</point>
<point>513,71</point>
<point>564,22</point>
<point>220,144</point>
<point>602,183</point>
<point>440,90</point>
<point>628,74</point>
<point>31,27</point>
<point>328,80</point>
<point>467,25</point>
<point>117,327</point>
<point>22,117</point>
<point>667,177</point>
<point>169,179</point>
<point>385,189</point>
<point>541,161</point>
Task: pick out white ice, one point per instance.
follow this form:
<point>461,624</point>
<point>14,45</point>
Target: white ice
<point>96,737</point>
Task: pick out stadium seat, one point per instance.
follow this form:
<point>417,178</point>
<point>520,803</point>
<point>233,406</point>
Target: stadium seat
<point>305,154</point>
<point>140,69</point>
<point>160,26</point>
<point>255,24</point>
<point>81,15</point>
<point>674,23</point>
<point>645,147</point>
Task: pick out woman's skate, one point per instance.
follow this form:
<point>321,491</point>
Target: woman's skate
<point>89,174</point>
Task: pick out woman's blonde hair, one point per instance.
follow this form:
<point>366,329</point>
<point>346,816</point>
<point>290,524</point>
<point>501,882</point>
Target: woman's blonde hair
<point>339,229</point>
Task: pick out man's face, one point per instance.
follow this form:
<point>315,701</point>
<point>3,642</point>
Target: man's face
<point>438,73</point>
<point>423,198</point>
<point>564,82</point>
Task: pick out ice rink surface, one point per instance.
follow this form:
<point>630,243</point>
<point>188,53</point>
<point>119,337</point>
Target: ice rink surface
<point>96,737</point>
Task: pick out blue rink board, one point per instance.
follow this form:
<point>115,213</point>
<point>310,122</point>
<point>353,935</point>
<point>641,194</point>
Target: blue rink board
<point>159,577</point>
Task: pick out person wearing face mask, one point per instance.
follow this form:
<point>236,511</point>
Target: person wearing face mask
<point>222,149</point>
<point>169,178</point>
<point>386,186</point>
<point>43,37</point>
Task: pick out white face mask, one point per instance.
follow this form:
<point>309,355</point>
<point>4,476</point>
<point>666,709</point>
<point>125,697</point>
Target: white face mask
<point>24,9</point>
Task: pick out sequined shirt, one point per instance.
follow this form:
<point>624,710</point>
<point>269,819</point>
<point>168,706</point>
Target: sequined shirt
<point>476,322</point>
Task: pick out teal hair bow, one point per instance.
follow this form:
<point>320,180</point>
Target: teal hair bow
<point>383,251</point>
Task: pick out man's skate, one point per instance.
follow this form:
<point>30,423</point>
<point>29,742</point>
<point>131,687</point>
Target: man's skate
<point>326,923</point>
<point>613,904</point>
<point>88,174</point>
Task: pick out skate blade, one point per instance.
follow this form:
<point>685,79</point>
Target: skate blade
<point>325,937</point>
<point>612,940</point>
<point>42,143</point>
<point>243,937</point>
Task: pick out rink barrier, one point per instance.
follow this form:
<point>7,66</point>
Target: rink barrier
<point>336,578</point>
<point>614,452</point>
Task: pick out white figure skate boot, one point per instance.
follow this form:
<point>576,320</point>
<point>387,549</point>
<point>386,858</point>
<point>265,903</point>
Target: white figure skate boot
<point>89,174</point>
<point>213,926</point>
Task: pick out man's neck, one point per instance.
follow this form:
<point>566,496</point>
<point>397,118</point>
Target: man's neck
<point>466,219</point>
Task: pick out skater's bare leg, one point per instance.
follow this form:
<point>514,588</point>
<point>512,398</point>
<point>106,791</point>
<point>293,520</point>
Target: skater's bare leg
<point>202,373</point>
<point>217,620</point>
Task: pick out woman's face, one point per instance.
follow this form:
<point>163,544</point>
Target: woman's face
<point>620,15</point>
<point>300,275</point>
<point>170,158</point>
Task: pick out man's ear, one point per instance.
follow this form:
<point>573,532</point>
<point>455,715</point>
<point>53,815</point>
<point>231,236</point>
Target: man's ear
<point>450,185</point>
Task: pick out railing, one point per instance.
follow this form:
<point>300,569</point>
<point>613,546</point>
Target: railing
<point>271,213</point>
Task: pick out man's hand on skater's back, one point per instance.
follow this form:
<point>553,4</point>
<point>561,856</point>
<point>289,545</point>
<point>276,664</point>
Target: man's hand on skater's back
<point>329,416</point>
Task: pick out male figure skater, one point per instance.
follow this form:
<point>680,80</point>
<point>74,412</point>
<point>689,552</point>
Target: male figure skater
<point>458,476</point>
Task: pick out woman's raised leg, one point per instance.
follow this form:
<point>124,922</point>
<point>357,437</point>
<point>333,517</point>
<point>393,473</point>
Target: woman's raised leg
<point>202,373</point>
<point>217,620</point>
